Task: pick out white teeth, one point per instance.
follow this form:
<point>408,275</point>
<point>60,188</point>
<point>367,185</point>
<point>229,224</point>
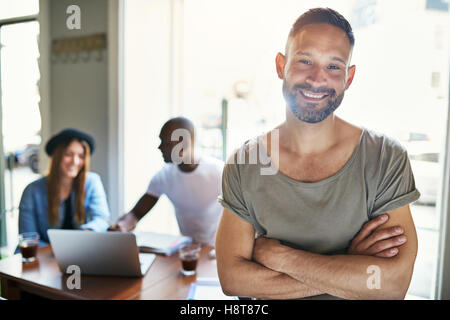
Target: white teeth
<point>313,95</point>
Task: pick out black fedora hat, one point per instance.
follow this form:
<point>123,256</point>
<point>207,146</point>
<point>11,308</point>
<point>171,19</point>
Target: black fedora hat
<point>68,135</point>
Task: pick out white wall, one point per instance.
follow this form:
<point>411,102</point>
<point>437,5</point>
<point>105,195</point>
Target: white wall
<point>146,103</point>
<point>75,94</point>
<point>79,90</point>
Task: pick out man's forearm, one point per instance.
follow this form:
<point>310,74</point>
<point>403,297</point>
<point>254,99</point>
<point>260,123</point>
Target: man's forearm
<point>250,279</point>
<point>347,276</point>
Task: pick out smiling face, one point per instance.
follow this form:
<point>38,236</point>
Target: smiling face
<point>72,160</point>
<point>315,71</point>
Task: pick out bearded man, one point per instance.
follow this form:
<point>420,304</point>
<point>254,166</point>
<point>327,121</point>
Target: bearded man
<point>334,220</point>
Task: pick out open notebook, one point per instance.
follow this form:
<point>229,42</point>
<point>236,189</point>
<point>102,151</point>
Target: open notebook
<point>167,244</point>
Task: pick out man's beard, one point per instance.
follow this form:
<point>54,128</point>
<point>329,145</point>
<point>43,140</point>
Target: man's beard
<point>307,111</point>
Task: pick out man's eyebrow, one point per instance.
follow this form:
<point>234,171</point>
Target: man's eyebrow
<point>308,54</point>
<point>301,53</point>
<point>338,59</point>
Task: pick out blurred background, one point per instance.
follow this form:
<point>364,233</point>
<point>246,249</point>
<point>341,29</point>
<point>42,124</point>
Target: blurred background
<point>213,61</point>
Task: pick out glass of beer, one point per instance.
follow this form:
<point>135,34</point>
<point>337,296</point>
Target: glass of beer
<point>28,245</point>
<point>189,255</point>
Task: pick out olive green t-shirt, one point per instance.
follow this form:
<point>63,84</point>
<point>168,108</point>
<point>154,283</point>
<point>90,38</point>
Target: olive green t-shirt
<point>321,217</point>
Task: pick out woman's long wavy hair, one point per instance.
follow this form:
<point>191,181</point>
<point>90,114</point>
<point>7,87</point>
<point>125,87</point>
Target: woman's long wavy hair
<point>54,184</point>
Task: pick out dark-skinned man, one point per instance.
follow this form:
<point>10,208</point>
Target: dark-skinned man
<point>191,182</point>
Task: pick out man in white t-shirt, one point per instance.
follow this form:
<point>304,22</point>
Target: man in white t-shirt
<point>191,183</point>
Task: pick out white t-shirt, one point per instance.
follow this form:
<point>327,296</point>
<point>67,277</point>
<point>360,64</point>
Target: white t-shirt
<point>194,196</point>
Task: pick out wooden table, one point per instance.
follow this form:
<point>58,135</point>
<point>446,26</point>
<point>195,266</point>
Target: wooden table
<point>44,278</point>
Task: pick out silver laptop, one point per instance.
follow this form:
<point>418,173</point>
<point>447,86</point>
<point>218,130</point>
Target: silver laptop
<point>99,253</point>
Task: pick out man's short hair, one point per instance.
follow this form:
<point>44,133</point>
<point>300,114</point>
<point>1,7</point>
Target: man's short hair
<point>323,15</point>
<point>180,123</point>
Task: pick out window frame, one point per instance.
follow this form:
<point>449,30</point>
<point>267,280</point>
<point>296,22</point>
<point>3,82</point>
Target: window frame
<point>3,209</point>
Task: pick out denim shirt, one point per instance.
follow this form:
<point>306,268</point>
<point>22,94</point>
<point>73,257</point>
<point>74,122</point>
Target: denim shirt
<point>33,208</point>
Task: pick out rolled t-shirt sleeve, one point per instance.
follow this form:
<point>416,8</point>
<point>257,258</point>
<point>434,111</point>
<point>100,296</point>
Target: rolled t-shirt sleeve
<point>232,197</point>
<point>396,187</point>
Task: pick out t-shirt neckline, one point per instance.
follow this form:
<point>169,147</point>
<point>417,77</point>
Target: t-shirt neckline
<point>331,178</point>
<point>199,161</point>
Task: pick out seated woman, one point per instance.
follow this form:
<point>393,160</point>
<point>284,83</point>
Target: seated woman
<point>69,197</point>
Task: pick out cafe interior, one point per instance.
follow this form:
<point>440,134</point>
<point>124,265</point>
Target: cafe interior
<point>118,70</point>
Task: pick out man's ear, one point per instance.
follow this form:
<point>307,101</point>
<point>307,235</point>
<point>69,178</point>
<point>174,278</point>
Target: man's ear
<point>351,74</point>
<point>280,62</point>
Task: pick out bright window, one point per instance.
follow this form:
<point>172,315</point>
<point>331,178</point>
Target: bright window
<point>225,51</point>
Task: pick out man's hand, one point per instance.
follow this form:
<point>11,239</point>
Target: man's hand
<point>371,241</point>
<point>117,227</point>
<point>126,223</point>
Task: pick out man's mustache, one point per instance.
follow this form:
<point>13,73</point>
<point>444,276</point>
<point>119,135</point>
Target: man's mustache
<point>323,90</point>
